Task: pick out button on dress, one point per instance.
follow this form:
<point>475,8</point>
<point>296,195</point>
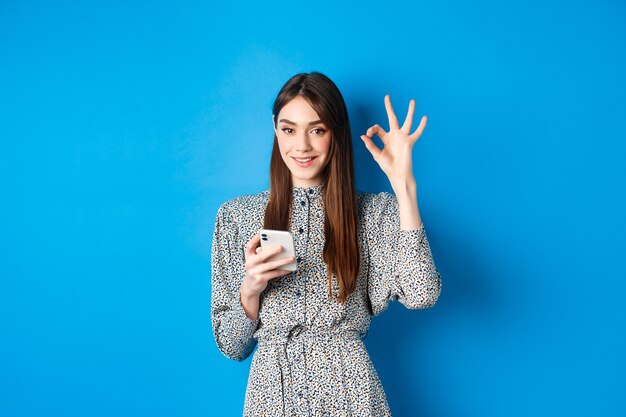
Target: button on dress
<point>310,359</point>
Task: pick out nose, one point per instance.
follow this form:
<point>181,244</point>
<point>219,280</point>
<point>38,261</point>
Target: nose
<point>303,143</point>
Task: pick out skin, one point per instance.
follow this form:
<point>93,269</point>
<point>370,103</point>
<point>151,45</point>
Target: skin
<point>395,159</point>
<point>301,134</point>
<point>302,139</point>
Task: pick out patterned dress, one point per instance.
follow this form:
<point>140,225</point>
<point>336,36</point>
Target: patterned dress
<point>310,358</point>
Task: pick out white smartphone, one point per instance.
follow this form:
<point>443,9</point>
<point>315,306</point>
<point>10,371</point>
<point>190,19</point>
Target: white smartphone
<point>284,239</point>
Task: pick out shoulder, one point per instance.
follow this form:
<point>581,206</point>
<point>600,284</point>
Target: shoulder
<point>377,209</point>
<point>243,208</point>
<point>245,203</point>
<point>376,202</point>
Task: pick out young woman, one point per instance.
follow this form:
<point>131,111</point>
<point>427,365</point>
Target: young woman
<point>355,252</point>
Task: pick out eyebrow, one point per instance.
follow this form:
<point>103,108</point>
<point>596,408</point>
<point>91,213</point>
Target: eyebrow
<point>315,122</point>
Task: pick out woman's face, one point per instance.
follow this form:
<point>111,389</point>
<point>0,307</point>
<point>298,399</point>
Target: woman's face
<point>304,142</point>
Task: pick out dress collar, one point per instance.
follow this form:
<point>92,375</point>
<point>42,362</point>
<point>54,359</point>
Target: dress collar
<point>314,191</point>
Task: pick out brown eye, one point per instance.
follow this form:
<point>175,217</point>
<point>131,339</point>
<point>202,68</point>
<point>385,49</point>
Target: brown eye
<point>319,131</point>
<point>287,130</point>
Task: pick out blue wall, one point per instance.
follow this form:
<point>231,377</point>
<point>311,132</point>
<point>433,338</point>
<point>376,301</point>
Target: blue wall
<point>124,126</point>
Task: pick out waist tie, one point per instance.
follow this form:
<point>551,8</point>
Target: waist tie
<point>289,345</point>
<point>300,331</point>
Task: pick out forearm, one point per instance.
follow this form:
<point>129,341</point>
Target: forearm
<point>250,303</point>
<point>406,194</point>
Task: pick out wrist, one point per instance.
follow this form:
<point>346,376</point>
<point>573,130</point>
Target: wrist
<point>404,188</point>
<point>246,293</point>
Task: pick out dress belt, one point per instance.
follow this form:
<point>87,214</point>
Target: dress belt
<point>301,331</point>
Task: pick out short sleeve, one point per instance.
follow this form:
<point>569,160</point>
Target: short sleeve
<point>400,264</point>
<point>232,329</point>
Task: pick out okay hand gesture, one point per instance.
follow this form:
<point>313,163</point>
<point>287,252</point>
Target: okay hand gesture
<point>395,159</point>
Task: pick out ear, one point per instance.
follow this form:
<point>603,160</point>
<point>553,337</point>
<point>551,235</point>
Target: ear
<point>274,123</point>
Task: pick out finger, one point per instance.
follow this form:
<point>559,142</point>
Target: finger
<point>275,274</point>
<point>420,129</point>
<point>279,263</point>
<point>254,261</point>
<point>393,120</point>
<point>378,131</point>
<point>371,146</point>
<point>252,245</point>
<point>408,122</point>
<point>267,267</point>
<point>268,252</point>
<point>259,249</point>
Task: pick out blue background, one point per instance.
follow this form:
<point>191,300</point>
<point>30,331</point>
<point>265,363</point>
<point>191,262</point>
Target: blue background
<point>124,126</point>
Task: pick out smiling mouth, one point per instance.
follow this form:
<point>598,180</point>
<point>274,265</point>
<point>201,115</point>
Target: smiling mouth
<point>304,162</point>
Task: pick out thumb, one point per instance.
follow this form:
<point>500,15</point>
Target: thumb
<point>371,146</point>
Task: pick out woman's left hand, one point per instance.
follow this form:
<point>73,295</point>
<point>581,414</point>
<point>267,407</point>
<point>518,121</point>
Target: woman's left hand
<point>395,159</point>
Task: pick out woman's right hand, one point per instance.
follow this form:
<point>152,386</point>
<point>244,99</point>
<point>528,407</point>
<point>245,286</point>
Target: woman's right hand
<point>259,271</point>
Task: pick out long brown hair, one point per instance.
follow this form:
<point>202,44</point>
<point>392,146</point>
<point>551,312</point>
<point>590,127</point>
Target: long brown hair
<point>341,248</point>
